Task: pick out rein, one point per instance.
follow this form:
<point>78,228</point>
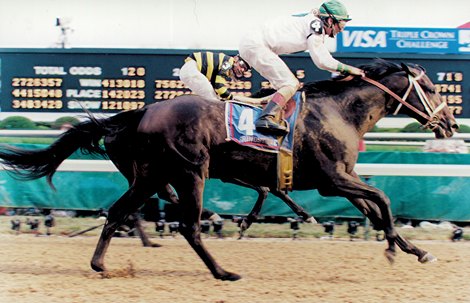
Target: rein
<point>432,111</point>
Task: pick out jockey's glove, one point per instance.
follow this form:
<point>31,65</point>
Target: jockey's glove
<point>354,71</point>
<point>351,70</point>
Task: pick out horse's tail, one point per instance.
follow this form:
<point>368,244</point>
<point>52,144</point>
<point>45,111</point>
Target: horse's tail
<point>30,164</point>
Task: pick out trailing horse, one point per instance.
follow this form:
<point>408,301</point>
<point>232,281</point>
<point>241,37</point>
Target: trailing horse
<point>246,222</point>
<point>182,142</point>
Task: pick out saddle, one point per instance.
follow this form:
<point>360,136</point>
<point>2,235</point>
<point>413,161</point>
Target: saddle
<point>239,122</point>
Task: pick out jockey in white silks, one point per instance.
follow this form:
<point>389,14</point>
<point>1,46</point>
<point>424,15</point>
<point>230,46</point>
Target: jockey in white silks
<point>261,49</point>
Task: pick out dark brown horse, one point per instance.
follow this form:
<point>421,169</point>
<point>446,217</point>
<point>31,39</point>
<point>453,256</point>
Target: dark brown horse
<point>183,142</point>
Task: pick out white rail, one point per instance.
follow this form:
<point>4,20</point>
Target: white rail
<point>367,136</point>
<point>410,136</point>
<point>401,143</point>
<point>83,166</point>
<point>421,170</point>
<point>363,169</point>
<point>29,133</point>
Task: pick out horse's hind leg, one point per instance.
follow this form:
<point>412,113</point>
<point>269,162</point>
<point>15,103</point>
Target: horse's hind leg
<point>119,211</point>
<point>190,189</point>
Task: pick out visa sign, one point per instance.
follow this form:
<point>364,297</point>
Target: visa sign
<point>364,39</point>
<point>399,40</point>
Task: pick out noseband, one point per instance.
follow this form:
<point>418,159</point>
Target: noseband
<point>432,111</point>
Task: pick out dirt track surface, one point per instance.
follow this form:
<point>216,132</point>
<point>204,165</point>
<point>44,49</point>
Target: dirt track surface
<point>56,269</point>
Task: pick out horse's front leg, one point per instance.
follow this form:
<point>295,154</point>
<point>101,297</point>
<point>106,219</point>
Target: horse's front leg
<point>140,229</point>
<point>190,188</point>
<point>118,213</point>
<point>294,206</point>
<point>254,213</point>
<point>352,188</point>
<point>167,193</point>
<point>164,192</point>
<point>371,210</point>
<point>410,248</point>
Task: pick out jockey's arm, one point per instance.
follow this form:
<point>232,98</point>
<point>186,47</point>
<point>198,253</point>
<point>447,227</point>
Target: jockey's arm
<point>323,59</point>
<point>225,94</point>
<point>220,88</point>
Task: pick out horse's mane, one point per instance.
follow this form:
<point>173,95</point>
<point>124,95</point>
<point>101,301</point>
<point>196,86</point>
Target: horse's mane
<point>377,69</point>
<point>380,68</point>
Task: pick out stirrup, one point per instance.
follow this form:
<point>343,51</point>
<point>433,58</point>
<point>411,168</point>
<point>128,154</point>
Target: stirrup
<point>265,126</point>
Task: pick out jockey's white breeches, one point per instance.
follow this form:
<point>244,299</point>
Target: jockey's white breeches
<point>197,82</point>
<point>268,64</point>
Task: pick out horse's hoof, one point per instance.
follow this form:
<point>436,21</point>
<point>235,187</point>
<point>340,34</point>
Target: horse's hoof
<point>311,220</point>
<point>230,277</point>
<point>245,225</point>
<point>98,268</point>
<point>390,255</point>
<point>427,258</point>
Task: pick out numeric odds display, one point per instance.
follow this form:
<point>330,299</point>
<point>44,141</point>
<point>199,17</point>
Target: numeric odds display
<point>109,81</point>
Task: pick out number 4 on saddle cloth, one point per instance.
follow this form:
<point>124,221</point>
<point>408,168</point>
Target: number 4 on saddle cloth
<point>240,125</point>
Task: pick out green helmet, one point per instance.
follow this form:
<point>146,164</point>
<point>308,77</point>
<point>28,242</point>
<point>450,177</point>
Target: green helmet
<point>334,9</point>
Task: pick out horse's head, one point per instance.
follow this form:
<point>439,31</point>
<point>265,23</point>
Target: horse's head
<point>418,98</point>
<point>426,98</point>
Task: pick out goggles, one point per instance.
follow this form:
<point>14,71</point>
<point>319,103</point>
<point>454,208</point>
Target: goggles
<point>341,25</point>
<point>242,64</point>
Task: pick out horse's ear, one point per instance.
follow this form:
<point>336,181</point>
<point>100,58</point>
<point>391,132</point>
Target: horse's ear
<point>406,69</point>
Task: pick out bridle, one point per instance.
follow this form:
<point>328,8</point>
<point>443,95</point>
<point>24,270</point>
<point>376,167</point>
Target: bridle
<point>432,111</point>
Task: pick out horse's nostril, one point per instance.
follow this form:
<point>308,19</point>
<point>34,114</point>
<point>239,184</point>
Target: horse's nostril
<point>455,126</point>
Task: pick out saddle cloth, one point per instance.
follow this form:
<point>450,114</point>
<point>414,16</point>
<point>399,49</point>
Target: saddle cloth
<point>240,125</point>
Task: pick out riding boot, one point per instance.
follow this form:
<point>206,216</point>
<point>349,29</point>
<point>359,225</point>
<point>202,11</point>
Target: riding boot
<point>267,122</point>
